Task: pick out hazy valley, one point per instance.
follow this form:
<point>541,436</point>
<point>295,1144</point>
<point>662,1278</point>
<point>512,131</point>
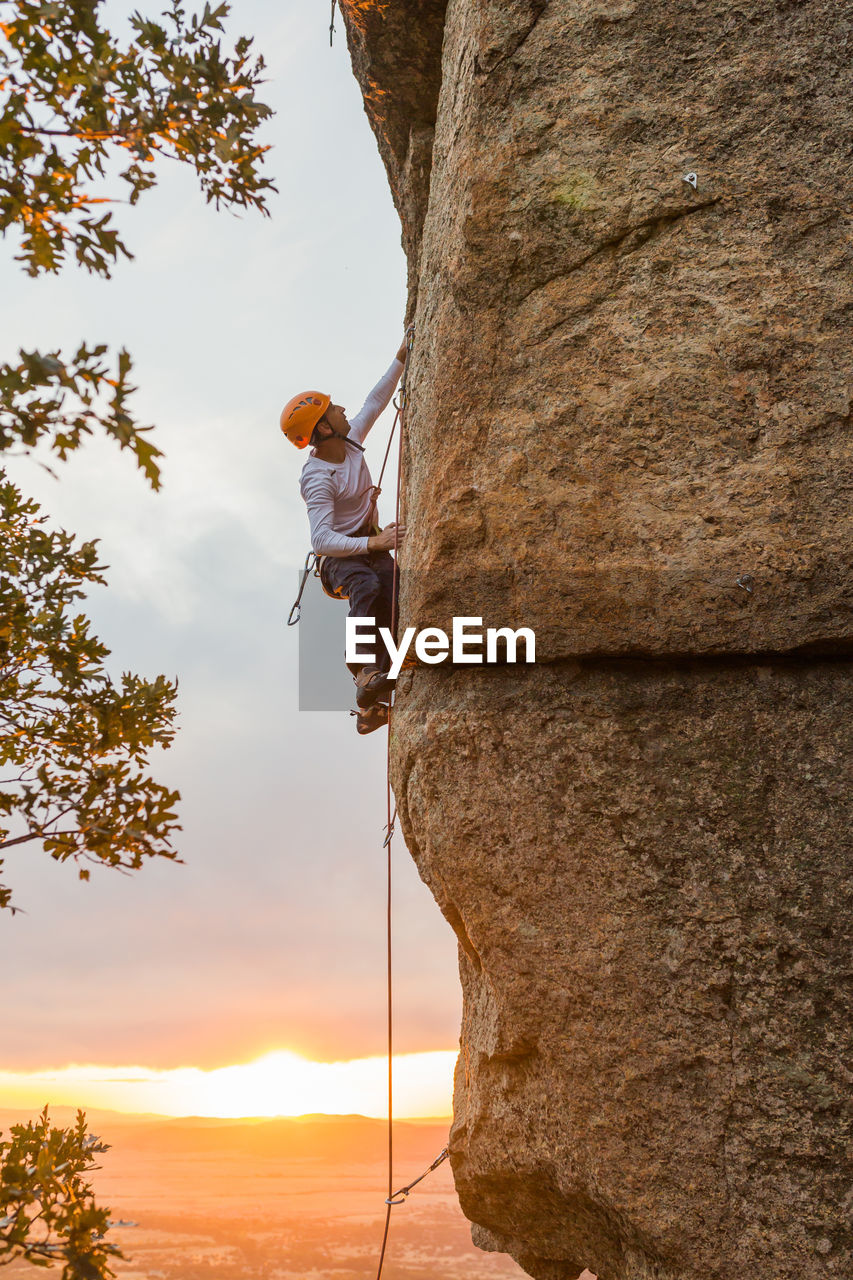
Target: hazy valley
<point>284,1199</point>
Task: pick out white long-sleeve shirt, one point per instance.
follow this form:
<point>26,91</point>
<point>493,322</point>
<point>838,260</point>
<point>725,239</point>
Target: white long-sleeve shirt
<point>338,494</point>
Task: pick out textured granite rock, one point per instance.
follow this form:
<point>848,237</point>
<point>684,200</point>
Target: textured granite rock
<point>645,866</point>
<point>629,428</point>
<point>630,396</point>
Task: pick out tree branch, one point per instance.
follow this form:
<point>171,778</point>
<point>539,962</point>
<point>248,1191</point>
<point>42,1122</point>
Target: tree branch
<point>7,844</point>
<point>83,135</point>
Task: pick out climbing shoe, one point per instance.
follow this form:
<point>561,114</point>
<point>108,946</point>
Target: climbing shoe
<point>372,684</point>
<point>371,718</point>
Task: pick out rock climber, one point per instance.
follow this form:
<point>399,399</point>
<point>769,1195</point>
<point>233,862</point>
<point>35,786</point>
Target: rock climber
<point>356,563</point>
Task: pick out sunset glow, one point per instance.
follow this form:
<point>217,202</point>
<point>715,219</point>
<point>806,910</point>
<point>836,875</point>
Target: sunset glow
<point>278,1084</point>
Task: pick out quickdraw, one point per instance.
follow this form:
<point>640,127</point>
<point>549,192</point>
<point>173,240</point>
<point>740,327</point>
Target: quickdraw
<point>312,561</point>
<point>399,1196</point>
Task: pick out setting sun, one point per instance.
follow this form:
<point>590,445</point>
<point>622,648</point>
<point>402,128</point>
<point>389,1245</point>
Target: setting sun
<point>279,1084</point>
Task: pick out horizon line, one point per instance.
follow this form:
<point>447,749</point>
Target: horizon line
<point>280,1084</point>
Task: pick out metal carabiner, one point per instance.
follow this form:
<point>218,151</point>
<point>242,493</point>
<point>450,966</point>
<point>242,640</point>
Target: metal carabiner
<point>296,609</point>
<point>401,398</point>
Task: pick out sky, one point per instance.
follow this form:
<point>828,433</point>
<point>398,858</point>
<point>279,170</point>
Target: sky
<point>270,937</point>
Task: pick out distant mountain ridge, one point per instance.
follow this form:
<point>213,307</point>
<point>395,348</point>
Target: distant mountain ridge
<point>350,1138</point>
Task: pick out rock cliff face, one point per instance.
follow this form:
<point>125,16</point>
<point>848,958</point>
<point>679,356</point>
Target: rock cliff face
<point>628,228</point>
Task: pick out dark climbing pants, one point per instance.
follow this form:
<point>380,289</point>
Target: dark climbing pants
<point>367,582</point>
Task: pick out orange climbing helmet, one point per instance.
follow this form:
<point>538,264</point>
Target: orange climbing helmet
<point>300,416</point>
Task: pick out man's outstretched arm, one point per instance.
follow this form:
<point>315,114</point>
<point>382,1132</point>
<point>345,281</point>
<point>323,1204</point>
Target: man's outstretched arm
<point>379,397</point>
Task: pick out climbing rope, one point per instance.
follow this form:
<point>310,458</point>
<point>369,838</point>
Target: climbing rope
<point>390,993</point>
<point>332,26</point>
<point>399,405</point>
<point>311,565</point>
<point>395,1197</point>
